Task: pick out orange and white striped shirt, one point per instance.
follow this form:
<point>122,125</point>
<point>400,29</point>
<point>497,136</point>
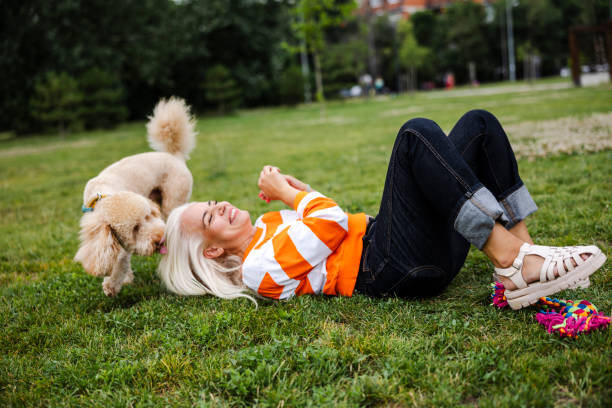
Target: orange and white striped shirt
<point>314,249</point>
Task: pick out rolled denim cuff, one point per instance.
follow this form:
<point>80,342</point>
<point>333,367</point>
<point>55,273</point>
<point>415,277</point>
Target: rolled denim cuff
<point>477,217</point>
<point>517,206</point>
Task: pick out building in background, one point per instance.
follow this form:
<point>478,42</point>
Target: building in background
<point>397,9</point>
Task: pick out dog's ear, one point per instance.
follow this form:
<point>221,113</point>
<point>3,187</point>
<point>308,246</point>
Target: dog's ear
<point>99,250</point>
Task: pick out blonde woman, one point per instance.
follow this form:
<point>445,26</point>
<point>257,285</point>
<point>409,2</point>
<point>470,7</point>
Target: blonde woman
<point>442,193</point>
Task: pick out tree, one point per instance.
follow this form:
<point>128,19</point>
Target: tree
<point>343,63</point>
<point>411,54</point>
<point>424,27</point>
<point>103,104</point>
<point>429,32</point>
<point>155,48</point>
<point>221,89</point>
<point>244,36</point>
<point>466,37</point>
<point>56,101</point>
<point>385,43</point>
<point>291,85</point>
<point>314,16</point>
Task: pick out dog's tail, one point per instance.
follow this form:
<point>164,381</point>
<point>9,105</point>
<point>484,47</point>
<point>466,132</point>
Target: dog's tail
<point>172,128</point>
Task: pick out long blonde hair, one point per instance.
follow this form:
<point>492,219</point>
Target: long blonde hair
<point>184,269</point>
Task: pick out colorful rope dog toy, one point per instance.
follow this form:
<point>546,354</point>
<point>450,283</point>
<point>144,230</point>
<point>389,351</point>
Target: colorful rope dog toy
<point>498,298</point>
<point>565,317</point>
<point>569,318</point>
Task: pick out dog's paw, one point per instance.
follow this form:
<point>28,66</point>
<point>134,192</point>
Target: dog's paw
<point>128,278</point>
<point>109,287</point>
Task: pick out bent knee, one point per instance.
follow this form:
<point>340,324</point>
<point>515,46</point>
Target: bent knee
<point>483,115</point>
<point>425,127</point>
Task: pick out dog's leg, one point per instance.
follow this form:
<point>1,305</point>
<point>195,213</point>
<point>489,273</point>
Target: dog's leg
<point>121,275</point>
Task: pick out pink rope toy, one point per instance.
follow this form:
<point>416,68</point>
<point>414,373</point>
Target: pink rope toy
<point>565,317</point>
<point>498,298</point>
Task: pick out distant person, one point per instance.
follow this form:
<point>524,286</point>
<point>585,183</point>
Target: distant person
<point>449,81</point>
<point>366,81</point>
<point>379,85</point>
<point>442,193</point>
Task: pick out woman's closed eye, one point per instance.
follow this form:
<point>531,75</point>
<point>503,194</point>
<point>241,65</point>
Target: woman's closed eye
<point>206,223</point>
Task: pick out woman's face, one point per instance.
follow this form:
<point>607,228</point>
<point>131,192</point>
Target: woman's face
<point>221,224</point>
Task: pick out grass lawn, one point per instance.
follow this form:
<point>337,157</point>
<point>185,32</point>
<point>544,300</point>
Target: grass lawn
<point>63,343</point>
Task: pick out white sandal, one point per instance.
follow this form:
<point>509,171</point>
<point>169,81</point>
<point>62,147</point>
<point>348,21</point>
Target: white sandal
<point>570,276</point>
<point>582,283</point>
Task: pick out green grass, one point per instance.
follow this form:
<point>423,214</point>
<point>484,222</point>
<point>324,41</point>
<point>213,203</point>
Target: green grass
<point>63,343</point>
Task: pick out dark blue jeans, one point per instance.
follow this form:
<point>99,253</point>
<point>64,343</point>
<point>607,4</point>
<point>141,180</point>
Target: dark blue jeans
<point>442,193</point>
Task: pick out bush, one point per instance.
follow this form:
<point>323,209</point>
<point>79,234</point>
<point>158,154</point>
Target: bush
<point>56,101</point>
<point>221,89</point>
<point>291,86</point>
<point>103,102</point>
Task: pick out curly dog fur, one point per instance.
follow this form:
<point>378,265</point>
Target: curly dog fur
<point>138,193</point>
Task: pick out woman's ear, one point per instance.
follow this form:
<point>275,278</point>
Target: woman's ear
<point>213,252</point>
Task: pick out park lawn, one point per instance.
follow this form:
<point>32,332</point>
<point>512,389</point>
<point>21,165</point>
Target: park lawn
<point>64,343</point>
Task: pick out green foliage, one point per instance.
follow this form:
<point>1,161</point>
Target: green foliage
<point>103,101</point>
<point>465,38</point>
<point>56,101</point>
<point>386,41</point>
<point>343,63</point>
<point>589,12</point>
<point>466,35</point>
<point>411,54</point>
<point>157,48</point>
<point>221,89</point>
<point>63,343</point>
<point>424,27</point>
<point>245,36</point>
<point>313,18</point>
<point>291,86</point>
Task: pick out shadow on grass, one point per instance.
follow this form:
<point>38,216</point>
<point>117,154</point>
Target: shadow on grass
<point>130,296</point>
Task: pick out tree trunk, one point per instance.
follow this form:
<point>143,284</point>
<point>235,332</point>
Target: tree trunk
<point>318,76</point>
<point>62,129</point>
<point>372,68</point>
<point>412,79</point>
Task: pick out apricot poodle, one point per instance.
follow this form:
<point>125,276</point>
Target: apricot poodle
<point>125,206</point>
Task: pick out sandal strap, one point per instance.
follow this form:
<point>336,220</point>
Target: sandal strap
<point>515,272</point>
<point>559,258</point>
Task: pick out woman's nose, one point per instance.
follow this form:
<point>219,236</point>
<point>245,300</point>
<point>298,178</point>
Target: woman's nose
<point>221,207</point>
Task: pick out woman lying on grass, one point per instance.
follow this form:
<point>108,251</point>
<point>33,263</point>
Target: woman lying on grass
<point>442,193</point>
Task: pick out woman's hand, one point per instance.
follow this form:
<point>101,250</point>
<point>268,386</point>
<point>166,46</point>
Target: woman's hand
<point>300,185</point>
<point>272,183</point>
<point>275,186</point>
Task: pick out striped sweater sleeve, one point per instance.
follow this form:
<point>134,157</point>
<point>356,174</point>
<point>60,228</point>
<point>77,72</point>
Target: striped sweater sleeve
<point>280,266</point>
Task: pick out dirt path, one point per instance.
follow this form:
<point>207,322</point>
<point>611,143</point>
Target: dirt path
<point>27,150</point>
<point>495,90</point>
